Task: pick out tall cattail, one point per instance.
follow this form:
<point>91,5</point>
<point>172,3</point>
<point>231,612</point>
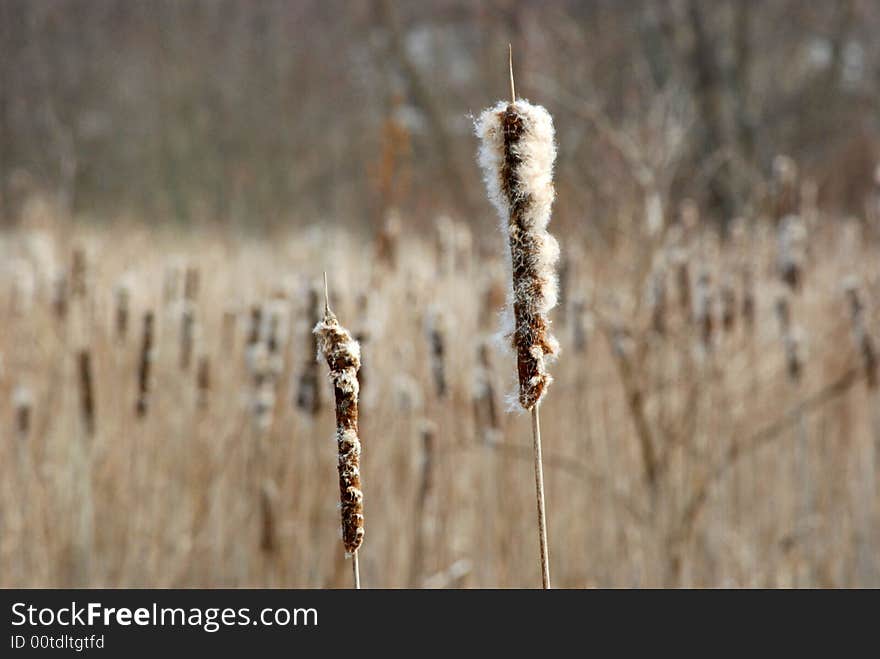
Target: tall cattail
<point>343,355</point>
<point>145,361</point>
<point>435,328</point>
<point>728,305</point>
<point>683,280</point>
<point>86,391</point>
<point>516,154</point>
<point>308,394</point>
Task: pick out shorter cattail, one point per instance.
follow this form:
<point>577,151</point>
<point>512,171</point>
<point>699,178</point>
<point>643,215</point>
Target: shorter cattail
<point>748,298</point>
<point>22,402</point>
<point>78,284</point>
<point>682,280</point>
<point>703,311</point>
<point>485,404</point>
<point>308,395</point>
<point>863,340</point>
<point>792,251</point>
<point>122,295</point>
<point>144,364</point>
<point>203,382</point>
<point>191,284</point>
<point>59,296</point>
<point>268,524</point>
<point>657,301</point>
<point>792,339</point>
<point>728,305</point>
<point>435,328</point>
<point>187,335</point>
<point>86,391</point>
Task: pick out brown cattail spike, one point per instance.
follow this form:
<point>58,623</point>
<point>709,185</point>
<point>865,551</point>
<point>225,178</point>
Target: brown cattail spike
<point>144,365</point>
<point>342,353</point>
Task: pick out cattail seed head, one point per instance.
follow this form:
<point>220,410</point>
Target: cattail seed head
<point>516,154</point>
<point>145,361</point>
<point>343,355</point>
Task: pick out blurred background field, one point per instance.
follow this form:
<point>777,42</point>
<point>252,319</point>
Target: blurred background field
<point>714,419</point>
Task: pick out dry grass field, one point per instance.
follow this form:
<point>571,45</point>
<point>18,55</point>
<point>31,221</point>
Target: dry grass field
<point>688,439</point>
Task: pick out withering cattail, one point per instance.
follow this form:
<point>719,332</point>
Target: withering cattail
<point>59,296</point>
<point>748,298</point>
<point>122,296</point>
<point>657,301</point>
<point>703,311</point>
<point>268,524</point>
<point>308,394</point>
<point>203,381</point>
<point>728,305</point>
<point>22,402</point>
<point>78,274</point>
<point>435,328</point>
<point>343,355</point>
<point>145,361</point>
<point>517,152</point>
<point>86,391</point>
<point>792,251</point>
<point>485,403</point>
<point>863,340</point>
<point>191,284</point>
<point>187,334</point>
<point>792,340</point>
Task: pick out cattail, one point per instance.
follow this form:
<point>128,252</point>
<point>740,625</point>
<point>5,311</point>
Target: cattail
<point>748,298</point>
<point>863,341</point>
<point>683,281</point>
<point>86,391</point>
<point>187,334</point>
<point>22,402</point>
<point>657,301</point>
<point>792,339</point>
<point>144,365</point>
<point>308,395</point>
<point>59,296</point>
<point>268,525</point>
<point>516,155</point>
<point>435,328</point>
<point>78,274</point>
<point>203,381</point>
<point>485,405</point>
<point>343,355</point>
<point>122,294</point>
<point>703,315</point>
<point>428,432</point>
<point>728,305</point>
<point>191,284</point>
<point>792,251</point>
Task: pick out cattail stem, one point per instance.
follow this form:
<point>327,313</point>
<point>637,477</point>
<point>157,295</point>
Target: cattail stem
<point>539,492</point>
<point>356,571</point>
